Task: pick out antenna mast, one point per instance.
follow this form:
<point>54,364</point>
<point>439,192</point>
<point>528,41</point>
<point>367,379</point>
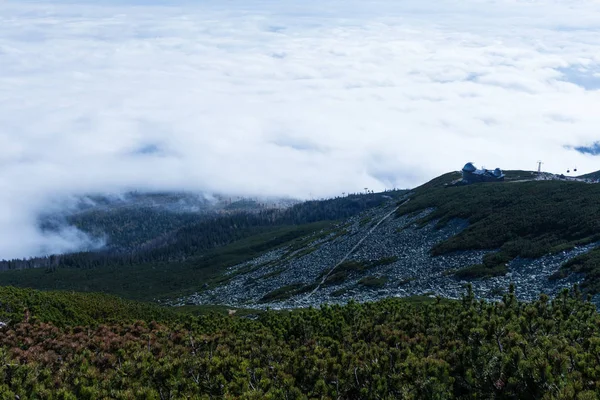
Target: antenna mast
<point>539,167</point>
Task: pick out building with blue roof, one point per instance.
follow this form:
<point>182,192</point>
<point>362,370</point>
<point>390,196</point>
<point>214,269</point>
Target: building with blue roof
<point>470,174</point>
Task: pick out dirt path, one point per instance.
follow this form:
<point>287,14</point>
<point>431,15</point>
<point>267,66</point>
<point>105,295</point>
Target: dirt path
<point>353,249</point>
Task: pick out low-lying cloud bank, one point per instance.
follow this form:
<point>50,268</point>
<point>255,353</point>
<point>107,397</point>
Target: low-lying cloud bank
<point>283,98</point>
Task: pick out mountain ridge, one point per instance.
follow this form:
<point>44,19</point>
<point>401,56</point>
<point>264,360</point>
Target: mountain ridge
<point>533,226</point>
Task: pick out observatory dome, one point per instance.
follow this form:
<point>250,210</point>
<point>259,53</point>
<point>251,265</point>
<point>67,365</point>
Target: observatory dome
<point>497,172</point>
<point>469,167</point>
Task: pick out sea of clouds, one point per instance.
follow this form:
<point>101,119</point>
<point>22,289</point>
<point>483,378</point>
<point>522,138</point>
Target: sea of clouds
<point>286,97</point>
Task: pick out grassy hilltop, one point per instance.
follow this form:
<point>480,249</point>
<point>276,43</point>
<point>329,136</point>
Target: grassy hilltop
<point>517,218</point>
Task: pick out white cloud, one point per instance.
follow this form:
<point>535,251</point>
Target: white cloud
<point>286,97</point>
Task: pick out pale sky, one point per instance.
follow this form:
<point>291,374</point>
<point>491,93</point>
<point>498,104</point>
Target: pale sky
<point>283,97</point>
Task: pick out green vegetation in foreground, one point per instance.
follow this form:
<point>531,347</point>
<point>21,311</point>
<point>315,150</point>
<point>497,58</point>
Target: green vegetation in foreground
<point>163,279</point>
<point>72,308</point>
<point>526,219</point>
<point>208,309</point>
<point>63,308</point>
<point>391,349</point>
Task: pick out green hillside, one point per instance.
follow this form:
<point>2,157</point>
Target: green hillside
<point>518,219</point>
<point>72,308</point>
<point>450,177</point>
<point>591,175</point>
<point>169,258</point>
<point>74,345</point>
<point>139,235</point>
<point>386,350</point>
<point>161,279</point>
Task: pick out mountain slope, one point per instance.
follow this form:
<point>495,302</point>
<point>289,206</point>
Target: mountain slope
<point>131,220</point>
<point>525,219</point>
<point>155,280</point>
<point>534,233</point>
<point>592,175</point>
<point>524,231</point>
<point>190,258</point>
<point>165,233</point>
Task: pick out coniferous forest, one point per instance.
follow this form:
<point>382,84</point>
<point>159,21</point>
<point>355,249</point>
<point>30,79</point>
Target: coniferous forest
<point>137,235</point>
<point>59,345</point>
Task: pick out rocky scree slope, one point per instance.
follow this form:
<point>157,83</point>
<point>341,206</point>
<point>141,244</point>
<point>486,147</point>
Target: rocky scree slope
<point>399,258</point>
